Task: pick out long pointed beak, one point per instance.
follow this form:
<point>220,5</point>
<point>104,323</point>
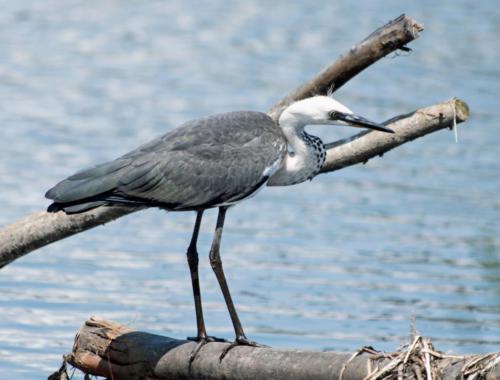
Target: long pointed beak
<point>358,121</point>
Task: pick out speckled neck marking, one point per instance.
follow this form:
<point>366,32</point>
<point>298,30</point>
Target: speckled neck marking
<point>317,145</point>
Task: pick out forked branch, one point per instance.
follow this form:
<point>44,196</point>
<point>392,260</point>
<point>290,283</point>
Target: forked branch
<point>42,228</point>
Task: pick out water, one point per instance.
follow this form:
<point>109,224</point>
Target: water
<point>343,261</point>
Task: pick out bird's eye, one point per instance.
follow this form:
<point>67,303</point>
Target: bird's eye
<point>333,115</point>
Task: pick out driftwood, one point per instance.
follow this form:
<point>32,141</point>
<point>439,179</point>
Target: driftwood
<point>42,228</point>
<point>105,348</point>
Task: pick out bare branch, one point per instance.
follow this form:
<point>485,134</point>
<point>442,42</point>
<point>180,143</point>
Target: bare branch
<point>365,145</point>
<point>42,228</point>
<point>392,36</point>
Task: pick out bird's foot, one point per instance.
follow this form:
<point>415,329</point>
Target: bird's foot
<point>240,341</point>
<point>202,340</point>
<point>207,339</point>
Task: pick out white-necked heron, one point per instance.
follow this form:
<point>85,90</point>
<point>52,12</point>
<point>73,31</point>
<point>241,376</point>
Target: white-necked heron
<point>215,161</point>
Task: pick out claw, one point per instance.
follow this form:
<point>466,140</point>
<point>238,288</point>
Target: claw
<point>202,340</point>
<point>197,349</point>
<point>240,341</point>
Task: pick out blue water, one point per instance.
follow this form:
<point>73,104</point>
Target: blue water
<point>346,260</point>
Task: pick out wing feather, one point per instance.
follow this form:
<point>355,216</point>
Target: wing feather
<point>201,164</point>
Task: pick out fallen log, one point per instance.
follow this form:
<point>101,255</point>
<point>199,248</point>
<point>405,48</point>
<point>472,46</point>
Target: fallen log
<point>105,348</point>
<point>42,228</point>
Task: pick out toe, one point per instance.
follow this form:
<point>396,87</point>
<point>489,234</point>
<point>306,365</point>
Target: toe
<point>244,341</point>
<point>240,341</point>
<point>196,350</point>
<point>215,339</point>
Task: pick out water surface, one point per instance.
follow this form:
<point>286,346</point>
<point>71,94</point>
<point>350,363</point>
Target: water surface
<point>346,260</point>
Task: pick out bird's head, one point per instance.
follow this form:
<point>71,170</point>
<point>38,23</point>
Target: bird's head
<point>324,110</point>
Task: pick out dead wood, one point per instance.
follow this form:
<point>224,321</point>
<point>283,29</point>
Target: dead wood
<point>42,228</point>
<point>114,351</point>
<point>388,38</point>
<point>368,144</point>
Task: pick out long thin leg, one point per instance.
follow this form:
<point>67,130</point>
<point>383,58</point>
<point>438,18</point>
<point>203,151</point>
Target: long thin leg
<point>216,263</point>
<point>192,256</point>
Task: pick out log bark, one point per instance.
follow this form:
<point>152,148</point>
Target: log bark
<point>40,229</point>
<point>105,348</point>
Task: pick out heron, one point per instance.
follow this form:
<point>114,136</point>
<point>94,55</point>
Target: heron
<point>211,162</point>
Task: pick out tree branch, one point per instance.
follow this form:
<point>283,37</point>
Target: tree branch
<point>392,36</point>
<point>43,228</point>
<point>368,144</point>
<point>105,348</point>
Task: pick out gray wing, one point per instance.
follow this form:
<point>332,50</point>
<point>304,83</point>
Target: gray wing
<point>203,163</point>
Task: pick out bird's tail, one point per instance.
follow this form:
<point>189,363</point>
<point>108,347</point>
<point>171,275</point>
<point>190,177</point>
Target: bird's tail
<point>75,208</point>
<point>87,189</point>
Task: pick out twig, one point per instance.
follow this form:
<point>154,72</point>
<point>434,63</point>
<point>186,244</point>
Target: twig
<point>428,368</point>
<point>411,348</point>
<point>360,351</point>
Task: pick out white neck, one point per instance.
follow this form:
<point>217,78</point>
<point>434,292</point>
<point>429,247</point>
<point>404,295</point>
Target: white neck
<point>305,156</point>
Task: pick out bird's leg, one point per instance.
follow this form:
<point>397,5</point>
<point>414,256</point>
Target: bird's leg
<point>216,263</point>
<point>192,255</point>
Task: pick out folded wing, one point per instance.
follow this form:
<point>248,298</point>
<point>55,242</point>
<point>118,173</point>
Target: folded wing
<point>204,163</point>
